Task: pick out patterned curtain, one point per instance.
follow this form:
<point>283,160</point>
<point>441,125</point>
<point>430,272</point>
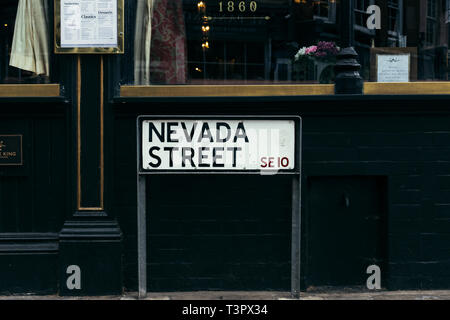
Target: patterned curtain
<point>168,57</point>
<point>447,10</point>
<point>30,48</point>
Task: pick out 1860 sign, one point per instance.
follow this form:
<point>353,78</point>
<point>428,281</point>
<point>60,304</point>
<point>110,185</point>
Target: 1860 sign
<point>11,150</point>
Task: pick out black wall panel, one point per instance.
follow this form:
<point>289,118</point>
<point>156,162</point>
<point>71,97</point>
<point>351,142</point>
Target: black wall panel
<point>209,232</point>
<point>399,140</point>
<point>33,199</point>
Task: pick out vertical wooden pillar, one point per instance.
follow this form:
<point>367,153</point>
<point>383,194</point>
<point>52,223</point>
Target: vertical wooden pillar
<point>90,239</point>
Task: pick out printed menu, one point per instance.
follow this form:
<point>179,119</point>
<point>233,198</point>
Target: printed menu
<point>88,23</point>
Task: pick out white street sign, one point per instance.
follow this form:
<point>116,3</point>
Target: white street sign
<point>218,145</point>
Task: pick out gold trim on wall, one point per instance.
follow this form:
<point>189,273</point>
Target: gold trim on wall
<point>102,170</point>
<point>102,159</point>
<point>30,90</point>
<point>226,90</point>
<point>406,88</point>
<point>91,50</point>
<point>370,88</point>
<point>78,133</point>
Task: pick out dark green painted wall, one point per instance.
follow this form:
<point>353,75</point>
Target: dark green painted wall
<point>33,197</point>
<point>412,151</point>
<point>219,232</point>
<point>401,139</point>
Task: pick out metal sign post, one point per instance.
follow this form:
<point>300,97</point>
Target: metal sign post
<point>264,145</point>
<point>142,236</point>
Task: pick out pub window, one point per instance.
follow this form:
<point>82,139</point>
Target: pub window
<point>394,13</point>
<point>447,11</point>
<point>325,9</point>
<point>25,41</point>
<point>395,23</point>
<point>212,42</point>
<point>321,8</point>
<point>412,40</point>
<point>360,12</point>
<point>232,42</point>
<point>431,31</point>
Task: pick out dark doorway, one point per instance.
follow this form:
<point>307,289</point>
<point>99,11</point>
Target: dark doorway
<point>346,229</point>
<point>218,232</point>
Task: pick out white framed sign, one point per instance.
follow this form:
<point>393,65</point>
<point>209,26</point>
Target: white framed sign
<point>236,145</point>
<point>89,26</point>
<point>393,67</point>
<point>218,144</point>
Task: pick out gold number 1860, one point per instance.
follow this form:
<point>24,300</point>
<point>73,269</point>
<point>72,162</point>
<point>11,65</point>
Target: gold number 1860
<point>230,6</point>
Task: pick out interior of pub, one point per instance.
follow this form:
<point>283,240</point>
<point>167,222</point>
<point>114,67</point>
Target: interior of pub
<point>243,42</point>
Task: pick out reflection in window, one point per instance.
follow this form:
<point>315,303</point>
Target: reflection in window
<point>160,42</point>
<point>430,38</point>
<point>24,41</point>
<point>321,8</point>
<point>447,11</point>
<point>280,41</point>
<point>233,42</point>
<point>395,24</point>
<point>325,9</point>
<point>394,14</point>
<point>360,11</point>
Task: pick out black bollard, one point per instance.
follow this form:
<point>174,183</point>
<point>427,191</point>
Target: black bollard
<point>347,80</point>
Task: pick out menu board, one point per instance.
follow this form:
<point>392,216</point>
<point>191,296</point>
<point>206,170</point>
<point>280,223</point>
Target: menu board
<point>393,68</point>
<point>88,23</point>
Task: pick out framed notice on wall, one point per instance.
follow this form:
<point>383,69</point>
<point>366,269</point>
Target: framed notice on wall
<point>393,67</point>
<point>89,26</point>
<point>393,64</point>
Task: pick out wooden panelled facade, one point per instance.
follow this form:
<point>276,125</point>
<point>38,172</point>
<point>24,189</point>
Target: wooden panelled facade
<point>375,188</point>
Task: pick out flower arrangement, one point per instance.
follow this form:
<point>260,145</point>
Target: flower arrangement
<point>322,56</point>
<point>323,50</point>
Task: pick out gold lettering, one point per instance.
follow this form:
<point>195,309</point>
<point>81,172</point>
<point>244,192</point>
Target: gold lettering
<point>9,154</point>
<point>243,6</point>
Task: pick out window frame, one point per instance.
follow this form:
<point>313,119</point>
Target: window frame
<point>433,20</point>
<point>58,80</point>
<point>363,12</point>
<point>129,92</point>
<point>394,35</point>
<point>331,18</point>
<point>363,28</point>
<point>447,11</point>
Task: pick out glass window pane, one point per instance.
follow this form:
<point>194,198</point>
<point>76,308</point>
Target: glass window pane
<point>233,42</point>
<point>24,41</point>
<point>412,43</point>
<point>284,41</point>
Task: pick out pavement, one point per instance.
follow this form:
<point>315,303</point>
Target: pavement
<point>259,295</point>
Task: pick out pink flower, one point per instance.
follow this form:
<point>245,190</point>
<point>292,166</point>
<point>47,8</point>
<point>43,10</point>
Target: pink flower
<point>326,48</point>
<point>311,50</point>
